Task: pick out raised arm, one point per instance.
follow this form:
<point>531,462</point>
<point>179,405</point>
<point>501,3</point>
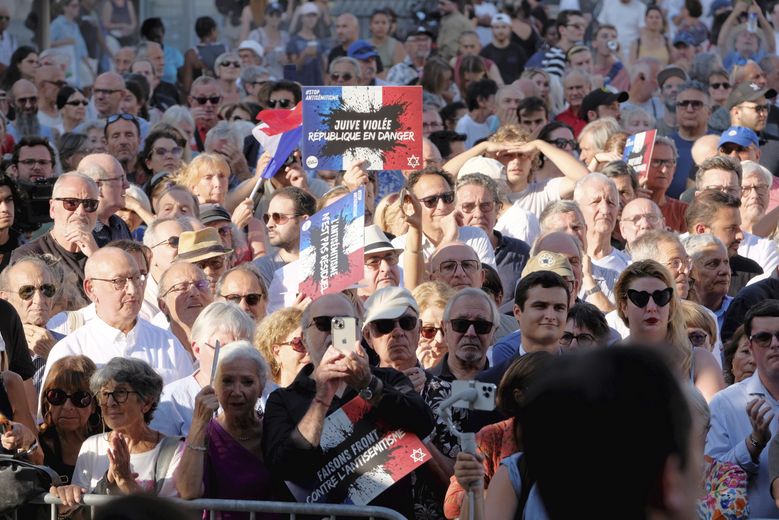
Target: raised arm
<point>189,473</point>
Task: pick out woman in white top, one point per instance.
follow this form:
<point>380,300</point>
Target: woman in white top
<point>131,458</point>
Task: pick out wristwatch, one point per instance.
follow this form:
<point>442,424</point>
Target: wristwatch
<point>590,292</point>
<point>368,392</point>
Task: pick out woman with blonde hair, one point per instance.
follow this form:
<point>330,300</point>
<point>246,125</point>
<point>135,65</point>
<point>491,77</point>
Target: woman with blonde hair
<point>279,339</point>
<point>206,177</point>
<point>432,298</point>
<point>648,304</point>
<point>389,215</point>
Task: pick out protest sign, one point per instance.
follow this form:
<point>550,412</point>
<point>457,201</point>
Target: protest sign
<point>638,152</point>
<point>363,458</point>
<point>381,125</point>
<point>331,247</point>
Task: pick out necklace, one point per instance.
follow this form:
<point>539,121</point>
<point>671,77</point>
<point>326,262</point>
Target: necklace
<point>248,437</point>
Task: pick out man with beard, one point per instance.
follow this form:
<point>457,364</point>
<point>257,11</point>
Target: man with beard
<point>710,272</point>
<point>24,100</point>
<point>73,208</point>
<point>32,160</point>
<point>107,173</point>
<point>347,31</point>
<point>669,79</point>
<point>469,322</point>
<point>576,85</point>
<point>123,139</point>
<point>287,209</point>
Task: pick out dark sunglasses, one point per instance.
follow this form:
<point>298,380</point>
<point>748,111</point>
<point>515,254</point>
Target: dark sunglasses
<point>429,332</point>
<point>234,64</point>
<point>763,339</point>
<point>641,298</point>
<point>346,76</point>
<point>71,204</point>
<point>432,201</point>
<point>697,339</point>
<point>296,344</point>
<point>252,299</point>
<point>694,103</point>
<point>80,399</point>
<point>171,241</point>
<point>461,325</point>
<point>26,292</point>
<point>729,148</point>
<point>5,18</point>
<point>322,323</point>
<point>282,103</point>
<point>214,100</point>
<point>717,86</point>
<point>564,143</point>
<point>82,102</point>
<point>382,327</point>
<point>278,218</point>
<point>116,117</point>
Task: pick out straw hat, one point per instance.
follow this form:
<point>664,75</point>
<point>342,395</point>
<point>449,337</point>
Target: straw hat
<point>196,246</point>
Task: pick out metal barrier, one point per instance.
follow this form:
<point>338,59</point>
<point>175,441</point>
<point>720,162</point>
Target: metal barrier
<point>247,506</point>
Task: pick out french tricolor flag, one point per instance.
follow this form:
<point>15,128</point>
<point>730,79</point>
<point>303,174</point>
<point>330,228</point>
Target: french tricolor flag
<point>279,133</point>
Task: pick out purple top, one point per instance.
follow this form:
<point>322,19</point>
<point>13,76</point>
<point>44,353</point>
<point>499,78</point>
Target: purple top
<point>233,472</point>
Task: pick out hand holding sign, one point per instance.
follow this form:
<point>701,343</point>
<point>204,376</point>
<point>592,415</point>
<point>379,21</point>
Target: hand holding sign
<point>356,175</point>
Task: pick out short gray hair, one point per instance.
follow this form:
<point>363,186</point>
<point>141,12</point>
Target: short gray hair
<point>177,114</point>
<point>479,179</point>
<point>540,240</point>
<point>558,207</point>
<point>224,317</point>
<point>136,373</point>
<point>150,238</point>
<point>247,267</point>
<point>62,179</point>
<point>594,177</point>
<point>748,167</point>
<point>222,130</point>
<point>695,85</point>
<point>667,141</point>
<point>645,247</point>
<point>244,350</point>
<point>472,291</point>
<point>35,260</point>
<point>250,73</point>
<point>695,244</point>
<point>351,61</point>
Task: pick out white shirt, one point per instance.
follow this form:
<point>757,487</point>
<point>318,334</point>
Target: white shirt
<point>537,195</point>
<point>627,18</point>
<point>474,131</point>
<point>485,9</point>
<point>519,223</point>
<point>66,322</point>
<point>8,44</point>
<point>173,415</point>
<point>150,305</point>
<point>761,250</point>
<point>726,440</point>
<point>101,342</point>
<point>92,463</point>
<point>473,236</point>
<point>616,260</point>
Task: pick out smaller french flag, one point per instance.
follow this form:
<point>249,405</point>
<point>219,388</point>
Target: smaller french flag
<point>279,134</point>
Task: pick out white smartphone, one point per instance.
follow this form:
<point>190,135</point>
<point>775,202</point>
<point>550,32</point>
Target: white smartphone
<point>344,333</point>
<point>485,395</point>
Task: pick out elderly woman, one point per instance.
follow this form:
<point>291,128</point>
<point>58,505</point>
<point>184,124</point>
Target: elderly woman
<point>227,69</point>
<point>207,177</point>
<point>432,298</point>
<point>132,458</point>
<point>224,458</point>
<point>69,413</point>
<point>220,322</point>
<point>72,105</point>
<point>280,340</point>
<point>739,363</point>
<point>649,306</point>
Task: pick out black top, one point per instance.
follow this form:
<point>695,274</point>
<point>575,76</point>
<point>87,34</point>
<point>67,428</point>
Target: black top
<point>742,270</point>
<point>52,454</point>
<point>115,230</point>
<point>442,370</point>
<point>8,248</point>
<point>509,60</point>
<point>291,457</point>
<point>747,298</point>
<point>72,263</point>
<point>510,257</point>
<point>5,403</point>
<point>12,331</point>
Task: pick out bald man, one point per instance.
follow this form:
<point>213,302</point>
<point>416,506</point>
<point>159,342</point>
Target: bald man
<point>114,284</point>
<point>107,94</point>
<point>108,174</point>
<point>347,30</point>
<point>49,79</point>
<point>639,216</point>
<point>457,265</point>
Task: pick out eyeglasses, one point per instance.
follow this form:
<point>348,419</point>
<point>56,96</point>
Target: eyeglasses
<point>732,190</point>
<point>677,264</point>
<point>698,339</point>
<point>82,102</point>
<point>252,299</point>
<point>281,103</point>
<point>760,109</point>
<point>119,396</point>
<point>233,64</point>
<point>583,339</point>
<point>564,144</point>
<point>212,263</point>
<point>27,100</point>
<point>449,267</point>
<point>758,188</point>
<point>111,179</point>
<point>57,397</point>
<point>430,332</point>
<point>659,163</point>
<point>763,339</point>
<point>484,207</point>
<point>120,282</point>
<point>641,298</point>
<point>107,91</point>
<point>695,104</point>
<point>461,325</point>
<point>432,125</point>
<point>171,241</point>
<point>31,163</point>
<point>175,151</point>
<point>729,148</point>
<point>278,218</point>
<point>59,83</point>
<point>116,117</point>
<point>296,344</point>
<point>346,76</point>
<point>26,292</point>
<point>214,100</point>
<point>5,18</point>
<point>382,327</point>
<point>71,204</point>
<point>651,219</point>
<point>716,86</point>
<point>375,261</point>
<point>432,201</point>
<point>200,285</point>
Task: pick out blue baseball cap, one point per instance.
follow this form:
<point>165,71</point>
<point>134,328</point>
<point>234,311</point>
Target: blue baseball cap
<point>739,135</point>
<point>686,38</point>
<point>361,50</point>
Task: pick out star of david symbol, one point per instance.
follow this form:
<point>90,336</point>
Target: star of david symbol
<point>413,161</point>
<point>418,455</point>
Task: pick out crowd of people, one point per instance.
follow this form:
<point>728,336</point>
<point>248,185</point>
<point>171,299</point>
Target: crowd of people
<point>628,315</point>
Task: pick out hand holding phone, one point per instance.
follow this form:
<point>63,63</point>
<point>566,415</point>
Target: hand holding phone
<point>344,333</point>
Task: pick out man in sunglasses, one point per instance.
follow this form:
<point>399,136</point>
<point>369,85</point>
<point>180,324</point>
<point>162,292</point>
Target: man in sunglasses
<point>24,100</point>
<point>748,105</point>
<point>243,286</point>
<point>294,415</point>
<point>29,286</point>
<point>111,180</point>
<point>205,99</point>
<point>49,79</point>
<point>73,208</point>
<point>344,72</point>
<point>693,110</point>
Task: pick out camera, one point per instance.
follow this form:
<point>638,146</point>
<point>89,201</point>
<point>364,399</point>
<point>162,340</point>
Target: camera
<point>338,323</point>
<point>34,204</point>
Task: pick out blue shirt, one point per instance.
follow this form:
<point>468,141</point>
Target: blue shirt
<point>684,166</point>
<point>506,348</point>
<point>174,60</point>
